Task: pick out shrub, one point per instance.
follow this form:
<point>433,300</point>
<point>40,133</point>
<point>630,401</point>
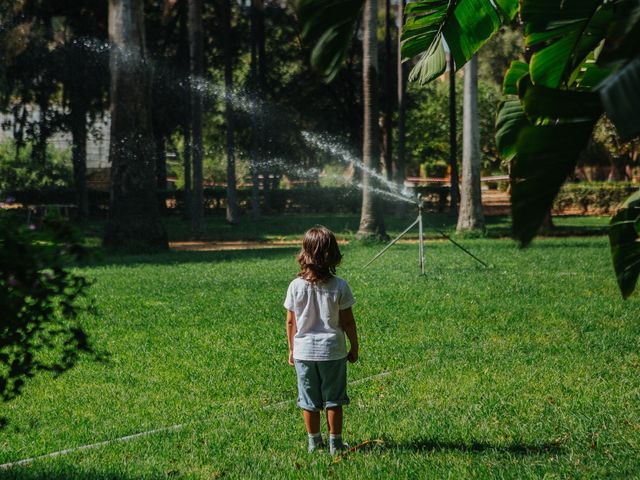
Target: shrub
<point>593,197</point>
<point>19,173</point>
<point>39,305</point>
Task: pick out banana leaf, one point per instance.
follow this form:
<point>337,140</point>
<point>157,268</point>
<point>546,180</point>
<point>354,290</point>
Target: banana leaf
<point>620,96</point>
<point>465,25</point>
<point>562,34</point>
<point>624,240</point>
<point>328,27</point>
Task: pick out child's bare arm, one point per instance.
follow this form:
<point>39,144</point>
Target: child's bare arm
<point>291,331</point>
<point>348,324</point>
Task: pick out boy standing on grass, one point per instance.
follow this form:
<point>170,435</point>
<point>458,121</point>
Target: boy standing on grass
<point>318,316</point>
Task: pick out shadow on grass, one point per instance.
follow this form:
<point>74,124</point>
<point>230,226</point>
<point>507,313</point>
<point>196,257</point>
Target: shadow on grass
<point>428,445</point>
<point>31,472</point>
<point>177,257</point>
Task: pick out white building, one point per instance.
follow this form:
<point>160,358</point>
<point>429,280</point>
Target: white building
<point>97,139</point>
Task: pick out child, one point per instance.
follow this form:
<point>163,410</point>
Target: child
<point>318,315</point>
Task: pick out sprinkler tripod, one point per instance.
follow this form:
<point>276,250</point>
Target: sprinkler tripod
<point>418,222</point>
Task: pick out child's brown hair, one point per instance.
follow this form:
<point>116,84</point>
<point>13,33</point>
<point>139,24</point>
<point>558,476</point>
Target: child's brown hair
<point>320,255</point>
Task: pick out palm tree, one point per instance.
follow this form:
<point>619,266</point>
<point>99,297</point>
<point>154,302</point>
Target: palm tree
<point>371,221</point>
<point>453,139</point>
<point>402,88</point>
<point>232,202</point>
<point>134,218</point>
<point>196,68</point>
<point>388,96</point>
<point>471,216</point>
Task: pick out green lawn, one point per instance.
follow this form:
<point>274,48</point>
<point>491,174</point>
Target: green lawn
<point>280,227</point>
<point>526,369</point>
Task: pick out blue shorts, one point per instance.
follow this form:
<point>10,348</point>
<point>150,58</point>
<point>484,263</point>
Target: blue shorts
<point>321,384</point>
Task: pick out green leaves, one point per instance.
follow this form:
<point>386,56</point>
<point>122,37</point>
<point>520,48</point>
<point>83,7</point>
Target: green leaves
<point>562,33</point>
<point>472,23</point>
<point>464,24</point>
<point>621,98</point>
<point>431,64</point>
<point>624,239</point>
<point>586,59</point>
<point>328,26</point>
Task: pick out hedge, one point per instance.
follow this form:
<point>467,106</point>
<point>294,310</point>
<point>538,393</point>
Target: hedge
<point>593,197</point>
<point>308,199</point>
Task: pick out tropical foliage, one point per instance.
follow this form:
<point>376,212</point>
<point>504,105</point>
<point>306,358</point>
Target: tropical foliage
<point>585,61</point>
<point>39,302</point>
<point>465,25</point>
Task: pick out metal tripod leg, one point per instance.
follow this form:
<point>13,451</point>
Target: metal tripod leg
<point>419,219</point>
<point>421,242</point>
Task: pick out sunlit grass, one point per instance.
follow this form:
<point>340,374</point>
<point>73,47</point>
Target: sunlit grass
<point>526,369</point>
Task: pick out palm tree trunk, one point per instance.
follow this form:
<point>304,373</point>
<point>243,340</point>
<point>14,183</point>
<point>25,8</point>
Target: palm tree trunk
<point>388,104</point>
<point>453,139</point>
<point>232,200</point>
<point>371,221</point>
<point>196,61</point>
<point>134,220</point>
<point>398,174</point>
<point>471,216</point>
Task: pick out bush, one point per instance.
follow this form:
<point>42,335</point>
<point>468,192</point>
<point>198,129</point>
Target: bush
<point>38,302</point>
<point>307,199</point>
<point>593,197</point>
<point>19,173</point>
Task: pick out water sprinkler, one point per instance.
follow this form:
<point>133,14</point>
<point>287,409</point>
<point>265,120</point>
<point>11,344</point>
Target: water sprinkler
<point>418,221</point>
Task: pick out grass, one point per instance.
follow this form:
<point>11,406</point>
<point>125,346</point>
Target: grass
<point>279,227</point>
<point>524,370</point>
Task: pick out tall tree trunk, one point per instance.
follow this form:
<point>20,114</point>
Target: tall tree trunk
<point>256,122</point>
<point>398,174</point>
<point>186,119</point>
<point>186,163</point>
<point>262,90</point>
<point>471,216</point>
<point>134,219</point>
<point>453,139</point>
<point>388,104</point>
<point>196,63</point>
<point>161,168</point>
<point>371,221</point>
<point>78,119</point>
<point>232,197</point>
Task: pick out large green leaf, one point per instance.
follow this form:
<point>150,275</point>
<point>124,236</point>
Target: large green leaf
<point>546,155</point>
<point>328,27</point>
<point>548,105</point>
<point>517,70</point>
<point>621,98</point>
<point>465,24</point>
<point>562,33</point>
<point>423,26</point>
<point>431,63</point>
<point>471,25</point>
<point>623,37</point>
<point>624,239</point>
<point>510,121</point>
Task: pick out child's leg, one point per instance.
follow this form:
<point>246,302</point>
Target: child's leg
<point>334,419</point>
<point>311,421</point>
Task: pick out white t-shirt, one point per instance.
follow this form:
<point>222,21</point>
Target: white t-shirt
<point>317,309</point>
